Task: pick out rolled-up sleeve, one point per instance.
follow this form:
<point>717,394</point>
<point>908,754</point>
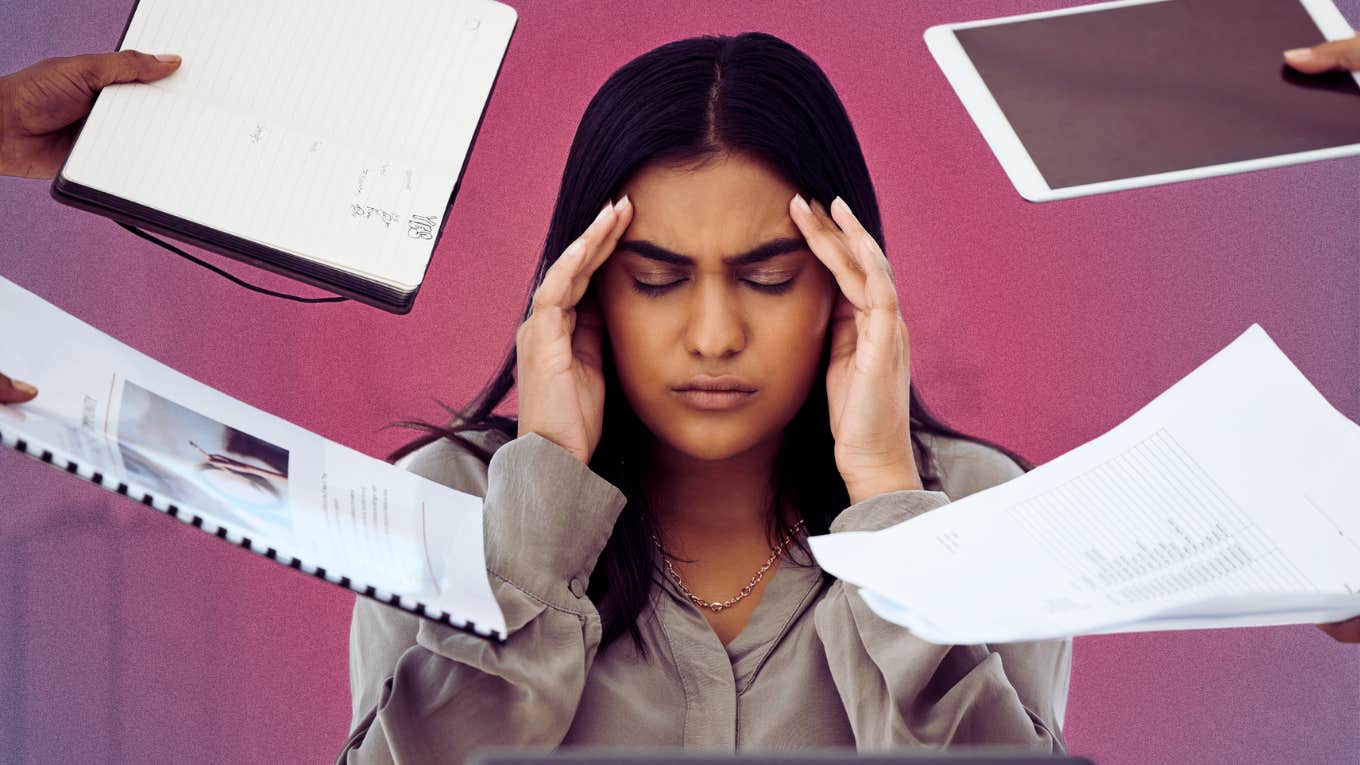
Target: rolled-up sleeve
<point>546,518</point>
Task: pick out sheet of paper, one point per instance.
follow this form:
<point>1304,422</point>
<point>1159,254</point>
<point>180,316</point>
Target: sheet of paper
<point>1229,499</point>
<point>114,411</point>
<point>332,130</point>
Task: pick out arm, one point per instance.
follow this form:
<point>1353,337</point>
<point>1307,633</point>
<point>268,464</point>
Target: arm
<point>547,517</point>
<point>899,690</point>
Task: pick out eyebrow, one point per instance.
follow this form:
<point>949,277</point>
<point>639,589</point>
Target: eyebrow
<point>770,249</point>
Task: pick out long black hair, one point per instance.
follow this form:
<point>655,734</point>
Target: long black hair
<point>681,103</point>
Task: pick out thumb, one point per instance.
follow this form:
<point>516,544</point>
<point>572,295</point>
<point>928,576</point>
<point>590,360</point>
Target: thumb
<point>1347,631</point>
<point>99,69</point>
<point>15,391</point>
<point>1337,54</point>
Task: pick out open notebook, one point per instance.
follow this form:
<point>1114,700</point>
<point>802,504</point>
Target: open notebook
<point>321,140</point>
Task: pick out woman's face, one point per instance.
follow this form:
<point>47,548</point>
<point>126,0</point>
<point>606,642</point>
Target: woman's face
<point>673,309</point>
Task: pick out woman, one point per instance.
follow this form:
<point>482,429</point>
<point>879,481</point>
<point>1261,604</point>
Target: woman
<point>710,270</point>
<point>713,142</point>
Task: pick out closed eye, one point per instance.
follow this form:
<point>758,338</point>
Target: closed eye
<point>770,288</point>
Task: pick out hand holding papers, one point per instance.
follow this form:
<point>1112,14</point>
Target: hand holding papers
<point>1228,500</point>
<point>132,425</point>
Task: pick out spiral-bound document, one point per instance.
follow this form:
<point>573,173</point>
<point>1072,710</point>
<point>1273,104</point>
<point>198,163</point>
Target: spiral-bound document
<point>321,140</point>
<point>134,426</point>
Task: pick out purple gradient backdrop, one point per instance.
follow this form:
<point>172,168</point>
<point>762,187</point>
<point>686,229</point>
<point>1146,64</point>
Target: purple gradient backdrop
<point>125,636</point>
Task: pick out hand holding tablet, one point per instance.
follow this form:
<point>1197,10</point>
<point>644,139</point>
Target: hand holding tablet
<point>1337,54</point>
<point>1132,93</point>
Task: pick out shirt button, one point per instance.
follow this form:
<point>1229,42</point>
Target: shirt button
<point>577,587</point>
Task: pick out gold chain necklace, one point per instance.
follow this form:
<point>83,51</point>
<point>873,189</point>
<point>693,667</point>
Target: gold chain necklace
<point>719,605</point>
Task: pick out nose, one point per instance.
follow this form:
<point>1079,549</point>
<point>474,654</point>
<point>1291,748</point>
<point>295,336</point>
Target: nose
<point>716,325</point>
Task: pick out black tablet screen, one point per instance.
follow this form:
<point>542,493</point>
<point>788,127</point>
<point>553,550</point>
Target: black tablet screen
<point>1162,86</point>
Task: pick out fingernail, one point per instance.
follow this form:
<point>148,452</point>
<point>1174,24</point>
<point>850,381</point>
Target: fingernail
<point>801,203</point>
<point>1299,55</point>
<point>24,388</point>
<point>622,203</point>
<point>168,58</point>
<point>604,211</point>
<point>843,204</point>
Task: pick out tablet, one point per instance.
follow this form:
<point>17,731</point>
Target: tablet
<point>1132,93</point>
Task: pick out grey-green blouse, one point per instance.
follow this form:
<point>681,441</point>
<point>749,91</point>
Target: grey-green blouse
<point>813,667</point>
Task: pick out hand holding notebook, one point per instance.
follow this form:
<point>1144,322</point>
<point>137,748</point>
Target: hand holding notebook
<point>42,106</point>
<point>322,142</point>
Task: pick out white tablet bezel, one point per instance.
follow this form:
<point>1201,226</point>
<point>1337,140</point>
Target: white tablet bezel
<point>1016,161</point>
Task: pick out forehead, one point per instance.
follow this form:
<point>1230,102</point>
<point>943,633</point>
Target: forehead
<point>725,206</point>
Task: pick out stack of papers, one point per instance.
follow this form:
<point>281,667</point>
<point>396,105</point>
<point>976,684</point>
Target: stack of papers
<point>1229,500</point>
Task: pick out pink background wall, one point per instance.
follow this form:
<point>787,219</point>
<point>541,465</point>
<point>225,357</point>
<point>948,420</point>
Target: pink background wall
<point>124,636</point>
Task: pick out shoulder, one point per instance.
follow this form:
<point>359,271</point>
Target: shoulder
<point>452,463</point>
<point>966,467</point>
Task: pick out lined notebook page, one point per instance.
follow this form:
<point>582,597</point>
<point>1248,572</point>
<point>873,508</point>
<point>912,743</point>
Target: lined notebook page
<point>331,129</point>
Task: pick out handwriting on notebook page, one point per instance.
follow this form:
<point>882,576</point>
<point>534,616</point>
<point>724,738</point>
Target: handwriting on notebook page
<point>312,137</point>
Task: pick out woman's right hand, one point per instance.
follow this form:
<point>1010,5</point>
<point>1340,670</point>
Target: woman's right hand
<point>559,348</point>
<point>15,391</point>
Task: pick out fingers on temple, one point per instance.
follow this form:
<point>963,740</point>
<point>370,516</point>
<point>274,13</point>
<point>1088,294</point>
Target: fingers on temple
<point>569,276</point>
<point>879,292</point>
<point>829,245</point>
<point>879,285</point>
<point>623,215</point>
<point>882,289</point>
<point>841,214</point>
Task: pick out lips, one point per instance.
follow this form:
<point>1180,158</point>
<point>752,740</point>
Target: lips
<point>715,400</point>
<point>723,383</point>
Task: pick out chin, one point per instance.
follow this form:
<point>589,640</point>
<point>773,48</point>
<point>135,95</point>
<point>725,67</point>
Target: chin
<point>709,436</point>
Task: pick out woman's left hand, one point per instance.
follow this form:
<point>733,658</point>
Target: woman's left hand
<point>868,381</point>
